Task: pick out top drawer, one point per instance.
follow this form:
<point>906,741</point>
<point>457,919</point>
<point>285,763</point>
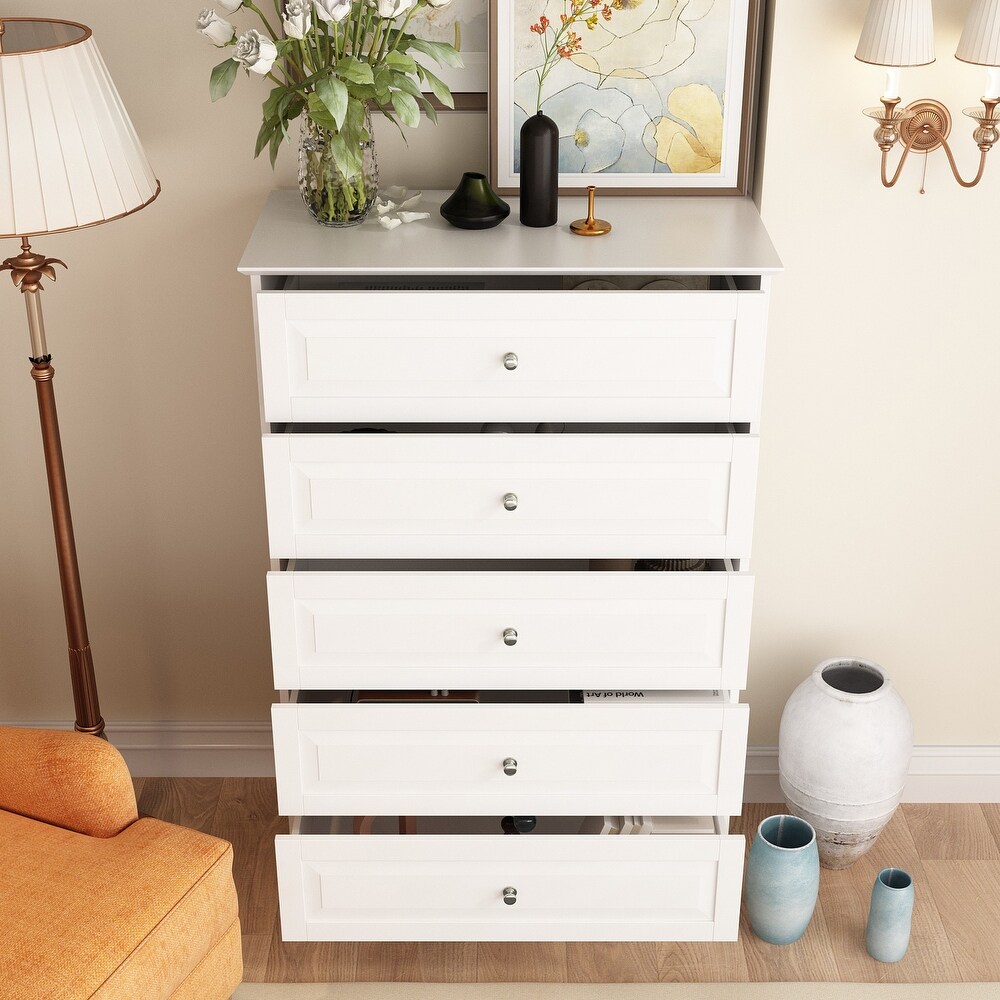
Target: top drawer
<point>671,356</point>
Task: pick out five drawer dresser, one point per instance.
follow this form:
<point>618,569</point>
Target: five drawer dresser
<point>510,481</point>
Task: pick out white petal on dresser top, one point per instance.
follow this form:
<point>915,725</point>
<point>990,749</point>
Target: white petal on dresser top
<point>512,356</point>
<point>510,495</point>
<point>660,631</point>
<point>681,759</point>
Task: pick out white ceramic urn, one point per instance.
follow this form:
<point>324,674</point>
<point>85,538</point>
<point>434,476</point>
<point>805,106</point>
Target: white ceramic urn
<point>843,754</point>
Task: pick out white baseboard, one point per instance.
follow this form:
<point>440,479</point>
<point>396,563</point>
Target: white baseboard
<point>937,774</point>
<point>188,749</point>
<point>243,750</point>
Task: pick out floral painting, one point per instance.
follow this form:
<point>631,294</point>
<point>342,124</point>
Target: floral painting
<point>464,24</point>
<point>645,93</point>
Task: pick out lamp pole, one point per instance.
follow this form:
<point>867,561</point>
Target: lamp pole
<point>27,271</point>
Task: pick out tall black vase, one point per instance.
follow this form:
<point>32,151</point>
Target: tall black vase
<point>539,172</point>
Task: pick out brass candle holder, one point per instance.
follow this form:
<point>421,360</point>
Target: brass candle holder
<point>590,226</point>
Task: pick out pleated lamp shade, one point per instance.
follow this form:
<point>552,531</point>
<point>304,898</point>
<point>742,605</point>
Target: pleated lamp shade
<point>69,156</point>
<point>980,41</point>
<point>897,33</point>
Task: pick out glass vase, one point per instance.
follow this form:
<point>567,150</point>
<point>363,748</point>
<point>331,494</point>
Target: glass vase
<point>782,879</point>
<point>332,197</point>
<point>887,935</point>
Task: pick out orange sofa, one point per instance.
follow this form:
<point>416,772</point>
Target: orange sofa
<point>96,902</point>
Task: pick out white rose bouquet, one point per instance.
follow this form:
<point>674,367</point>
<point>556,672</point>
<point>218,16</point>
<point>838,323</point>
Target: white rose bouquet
<point>329,62</point>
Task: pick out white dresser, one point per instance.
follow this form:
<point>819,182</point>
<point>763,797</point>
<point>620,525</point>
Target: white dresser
<point>468,441</point>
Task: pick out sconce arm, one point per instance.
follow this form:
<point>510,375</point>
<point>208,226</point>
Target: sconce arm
<point>891,182</point>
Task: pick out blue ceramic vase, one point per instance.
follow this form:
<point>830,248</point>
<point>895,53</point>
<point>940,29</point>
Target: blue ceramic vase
<point>782,879</point>
<point>888,933</point>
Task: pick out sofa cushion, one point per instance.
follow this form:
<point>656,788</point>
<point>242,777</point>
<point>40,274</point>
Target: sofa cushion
<point>120,918</point>
<point>67,779</point>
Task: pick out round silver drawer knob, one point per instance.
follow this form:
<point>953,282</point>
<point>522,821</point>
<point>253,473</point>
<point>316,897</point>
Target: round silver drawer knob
<point>510,895</point>
<point>510,501</point>
<point>510,636</point>
<point>509,766</point>
<point>510,361</point>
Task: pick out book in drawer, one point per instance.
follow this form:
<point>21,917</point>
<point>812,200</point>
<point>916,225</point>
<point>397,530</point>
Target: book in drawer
<point>509,630</point>
<point>684,758</point>
<point>496,888</point>
<point>680,356</point>
<point>508,496</point>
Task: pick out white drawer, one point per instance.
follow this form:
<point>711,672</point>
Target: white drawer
<point>581,356</point>
<point>446,888</point>
<point>443,495</point>
<point>417,630</point>
<point>668,759</point>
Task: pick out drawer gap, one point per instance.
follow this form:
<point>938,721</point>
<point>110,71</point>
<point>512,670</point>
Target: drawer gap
<point>486,565</point>
<point>569,697</point>
<point>659,283</point>
<point>486,826</point>
<point>293,427</point>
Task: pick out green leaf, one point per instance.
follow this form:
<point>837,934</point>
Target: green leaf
<point>291,112</point>
<point>263,137</point>
<point>362,92</point>
<point>383,80</point>
<point>429,110</point>
<point>270,106</point>
<point>275,146</point>
<point>407,84</point>
<point>333,93</point>
<point>401,62</point>
<point>355,119</point>
<point>320,114</point>
<point>388,114</point>
<point>406,107</point>
<point>346,155</point>
<point>222,79</point>
<point>438,88</point>
<point>354,70</point>
<point>441,52</point>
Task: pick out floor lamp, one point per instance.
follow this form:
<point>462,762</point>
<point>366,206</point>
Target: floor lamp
<point>69,159</point>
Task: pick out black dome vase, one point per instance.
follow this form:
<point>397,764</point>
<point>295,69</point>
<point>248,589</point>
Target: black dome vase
<point>539,172</point>
<point>474,204</point>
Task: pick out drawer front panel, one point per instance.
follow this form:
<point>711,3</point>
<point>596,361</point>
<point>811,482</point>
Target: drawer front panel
<point>449,495</point>
<point>442,888</point>
<point>369,356</point>
<point>417,630</point>
<point>683,759</point>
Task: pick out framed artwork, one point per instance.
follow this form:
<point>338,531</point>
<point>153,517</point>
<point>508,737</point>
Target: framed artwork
<point>649,96</point>
<point>465,24</point>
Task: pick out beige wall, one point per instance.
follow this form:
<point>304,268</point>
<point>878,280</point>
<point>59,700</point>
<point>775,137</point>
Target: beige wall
<point>877,473</point>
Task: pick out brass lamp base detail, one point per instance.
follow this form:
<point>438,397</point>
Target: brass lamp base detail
<point>27,271</point>
<point>927,127</point>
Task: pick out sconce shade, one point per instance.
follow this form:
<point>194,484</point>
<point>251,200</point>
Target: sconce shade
<point>69,156</point>
<point>980,41</point>
<point>897,33</point>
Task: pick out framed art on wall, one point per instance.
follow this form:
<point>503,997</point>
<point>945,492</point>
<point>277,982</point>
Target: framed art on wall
<point>649,96</point>
<point>464,24</point>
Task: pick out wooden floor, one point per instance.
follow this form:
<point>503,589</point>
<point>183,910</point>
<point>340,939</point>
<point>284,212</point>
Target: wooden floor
<point>952,851</point>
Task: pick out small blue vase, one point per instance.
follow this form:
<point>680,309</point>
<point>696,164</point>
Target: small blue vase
<point>888,933</point>
<point>782,879</point>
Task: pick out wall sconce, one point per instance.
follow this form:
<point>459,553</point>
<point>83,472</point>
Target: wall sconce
<point>900,33</point>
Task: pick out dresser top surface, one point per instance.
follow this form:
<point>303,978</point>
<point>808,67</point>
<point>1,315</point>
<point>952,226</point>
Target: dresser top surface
<point>650,235</point>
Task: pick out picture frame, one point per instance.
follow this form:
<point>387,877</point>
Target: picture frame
<point>594,85</point>
<point>464,24</point>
